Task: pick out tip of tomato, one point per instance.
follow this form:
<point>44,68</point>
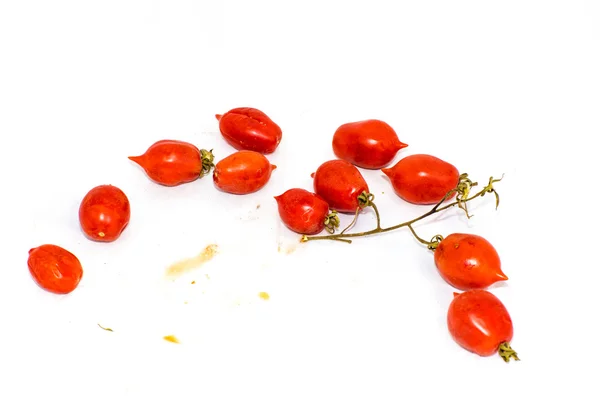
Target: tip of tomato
<point>455,294</point>
<point>502,276</point>
<point>218,116</point>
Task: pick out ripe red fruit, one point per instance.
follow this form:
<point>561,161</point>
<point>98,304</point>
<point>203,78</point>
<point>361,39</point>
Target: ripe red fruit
<point>340,184</point>
<point>371,144</point>
<point>479,322</point>
<point>242,172</point>
<point>247,128</point>
<point>104,213</point>
<point>173,162</point>
<point>422,179</point>
<point>305,212</point>
<point>54,269</point>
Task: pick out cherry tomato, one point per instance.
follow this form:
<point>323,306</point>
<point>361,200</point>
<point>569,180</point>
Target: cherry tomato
<point>242,172</point>
<point>479,322</point>
<point>173,162</point>
<point>247,128</point>
<point>305,212</point>
<point>54,269</point>
<point>468,261</point>
<point>104,213</point>
<point>422,179</point>
<point>371,143</point>
<point>340,184</point>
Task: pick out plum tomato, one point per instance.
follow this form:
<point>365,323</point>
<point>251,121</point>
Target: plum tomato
<point>242,172</point>
<point>247,128</point>
<point>304,212</point>
<point>468,261</point>
<point>422,178</point>
<point>173,162</point>
<point>104,213</point>
<point>340,184</point>
<point>479,322</point>
<point>54,269</point>
<point>369,144</point>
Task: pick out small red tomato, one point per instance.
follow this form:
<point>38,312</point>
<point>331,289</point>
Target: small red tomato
<point>242,172</point>
<point>173,162</point>
<point>247,128</point>
<point>479,322</point>
<point>468,261</point>
<point>371,143</point>
<point>104,213</point>
<point>305,212</point>
<point>422,179</point>
<point>54,268</point>
<point>340,184</point>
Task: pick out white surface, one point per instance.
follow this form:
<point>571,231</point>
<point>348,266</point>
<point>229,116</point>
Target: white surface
<point>494,87</point>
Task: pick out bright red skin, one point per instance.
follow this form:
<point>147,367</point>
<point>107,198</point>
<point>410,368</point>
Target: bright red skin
<point>422,179</point>
<point>370,144</point>
<point>339,183</point>
<point>302,211</point>
<point>171,162</point>
<point>468,261</point>
<point>54,269</point>
<point>247,128</point>
<point>242,172</point>
<point>479,322</point>
<point>104,213</point>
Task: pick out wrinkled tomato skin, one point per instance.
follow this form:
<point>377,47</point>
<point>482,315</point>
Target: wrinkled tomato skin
<point>242,172</point>
<point>369,144</point>
<point>479,322</point>
<point>468,261</point>
<point>339,183</point>
<point>171,162</point>
<point>422,179</point>
<point>302,211</point>
<point>54,269</point>
<point>247,128</point>
<point>104,213</point>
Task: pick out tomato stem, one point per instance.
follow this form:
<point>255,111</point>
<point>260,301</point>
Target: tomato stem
<point>431,245</point>
<point>332,221</point>
<point>207,161</point>
<point>506,352</point>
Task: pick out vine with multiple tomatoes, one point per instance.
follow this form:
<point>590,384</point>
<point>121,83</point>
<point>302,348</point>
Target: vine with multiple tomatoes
<point>476,319</point>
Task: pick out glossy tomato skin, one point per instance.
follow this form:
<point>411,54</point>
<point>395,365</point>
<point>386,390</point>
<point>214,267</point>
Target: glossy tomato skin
<point>172,162</point>
<point>302,211</point>
<point>104,213</point>
<point>370,144</point>
<point>247,128</point>
<point>54,269</point>
<point>339,183</point>
<point>468,261</point>
<point>479,322</point>
<point>242,172</point>
<point>422,178</point>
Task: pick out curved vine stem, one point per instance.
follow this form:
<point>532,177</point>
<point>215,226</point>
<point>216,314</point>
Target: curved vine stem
<point>432,244</point>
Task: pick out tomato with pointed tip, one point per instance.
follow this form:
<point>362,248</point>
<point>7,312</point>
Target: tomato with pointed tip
<point>340,184</point>
<point>104,213</point>
<point>304,212</point>
<point>479,322</point>
<point>174,162</point>
<point>422,178</point>
<point>468,261</point>
<point>242,172</point>
<point>54,268</point>
<point>247,128</point>
<point>369,144</point>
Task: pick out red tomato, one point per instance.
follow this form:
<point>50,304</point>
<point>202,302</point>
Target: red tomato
<point>303,212</point>
<point>422,179</point>
<point>468,261</point>
<point>479,322</point>
<point>104,213</point>
<point>173,162</point>
<point>242,172</point>
<point>371,143</point>
<point>340,183</point>
<point>247,128</point>
<point>54,268</point>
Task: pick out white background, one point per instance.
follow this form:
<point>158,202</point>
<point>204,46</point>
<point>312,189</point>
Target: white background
<point>494,87</point>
